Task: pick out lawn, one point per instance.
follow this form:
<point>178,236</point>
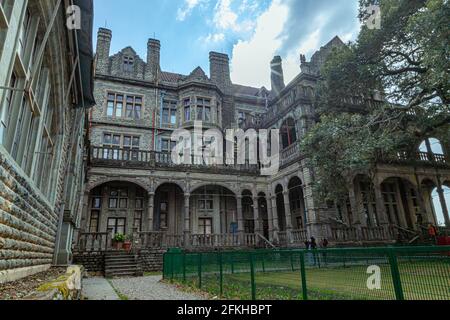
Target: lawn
<point>421,280</point>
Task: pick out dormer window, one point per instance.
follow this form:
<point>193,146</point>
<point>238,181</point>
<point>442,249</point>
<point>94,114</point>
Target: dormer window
<point>128,64</point>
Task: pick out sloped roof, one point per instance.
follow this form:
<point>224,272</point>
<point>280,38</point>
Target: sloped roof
<point>171,77</point>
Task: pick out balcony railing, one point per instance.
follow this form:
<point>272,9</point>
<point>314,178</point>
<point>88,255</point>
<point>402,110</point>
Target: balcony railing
<point>418,157</point>
<point>348,234</point>
<point>127,158</point>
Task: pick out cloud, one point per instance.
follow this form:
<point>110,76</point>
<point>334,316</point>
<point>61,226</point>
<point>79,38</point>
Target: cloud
<point>188,7</point>
<point>212,38</point>
<point>251,59</point>
<point>227,19</point>
<point>288,28</point>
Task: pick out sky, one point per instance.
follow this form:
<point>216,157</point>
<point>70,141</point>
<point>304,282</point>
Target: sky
<point>251,32</point>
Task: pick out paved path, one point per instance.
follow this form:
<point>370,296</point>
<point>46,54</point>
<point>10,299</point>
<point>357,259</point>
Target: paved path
<point>150,288</point>
<point>98,289</point>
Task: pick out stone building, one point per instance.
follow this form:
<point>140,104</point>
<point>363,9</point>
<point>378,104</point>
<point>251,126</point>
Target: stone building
<point>134,188</point>
<point>45,88</point>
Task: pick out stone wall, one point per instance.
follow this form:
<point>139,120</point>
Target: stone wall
<point>151,260</point>
<point>28,225</point>
<point>91,261</point>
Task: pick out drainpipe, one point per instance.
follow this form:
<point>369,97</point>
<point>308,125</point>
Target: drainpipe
<point>161,105</point>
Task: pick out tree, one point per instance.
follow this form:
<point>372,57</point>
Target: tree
<point>407,63</point>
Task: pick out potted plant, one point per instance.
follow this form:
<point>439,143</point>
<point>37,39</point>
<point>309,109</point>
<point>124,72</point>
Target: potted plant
<point>127,244</point>
<point>118,241</point>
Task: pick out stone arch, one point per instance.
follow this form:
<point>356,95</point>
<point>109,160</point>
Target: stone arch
<point>194,187</point>
<point>98,182</point>
<point>160,183</point>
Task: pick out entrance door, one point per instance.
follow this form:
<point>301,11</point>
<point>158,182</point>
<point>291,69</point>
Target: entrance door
<point>117,225</point>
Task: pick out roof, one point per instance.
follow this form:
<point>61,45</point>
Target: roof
<point>246,90</point>
<point>85,50</point>
<point>171,77</point>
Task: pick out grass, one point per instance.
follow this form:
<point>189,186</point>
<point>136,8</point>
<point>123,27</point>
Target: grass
<point>421,280</point>
<point>151,274</point>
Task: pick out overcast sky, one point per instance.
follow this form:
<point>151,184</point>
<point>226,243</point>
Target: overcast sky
<point>251,32</point>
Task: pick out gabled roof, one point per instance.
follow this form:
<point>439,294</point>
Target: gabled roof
<point>171,77</point>
<point>197,75</point>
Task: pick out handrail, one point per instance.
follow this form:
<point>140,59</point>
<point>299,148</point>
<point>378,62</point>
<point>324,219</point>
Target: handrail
<point>265,240</point>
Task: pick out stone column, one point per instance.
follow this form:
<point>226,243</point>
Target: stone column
<point>240,216</point>
<point>441,193</point>
<point>270,218</point>
<point>256,215</point>
<point>381,209</point>
<point>150,211</point>
<point>287,210</point>
<point>187,220</point>
<point>276,224</point>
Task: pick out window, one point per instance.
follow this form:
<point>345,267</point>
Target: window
<point>203,109</point>
<point>206,202</point>
<point>117,225</point>
<point>205,226</point>
<point>167,145</point>
<point>23,33</point>
<point>93,224</point>
<point>389,193</point>
<point>131,145</point>
<point>115,106</point>
<point>169,115</point>
<point>138,221</point>
<point>128,64</point>
<point>288,133</point>
<point>113,199</point>
<point>249,226</point>
<point>111,143</point>
<point>10,98</point>
<point>96,202</point>
<point>187,109</point>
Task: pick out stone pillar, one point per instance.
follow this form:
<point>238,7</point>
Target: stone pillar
<point>440,191</point>
<point>276,224</point>
<point>240,216</point>
<point>381,209</point>
<point>270,218</point>
<point>150,211</point>
<point>287,210</point>
<point>187,220</point>
<point>256,215</point>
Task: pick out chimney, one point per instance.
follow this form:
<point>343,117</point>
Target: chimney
<point>219,70</point>
<point>104,37</point>
<point>277,76</point>
<point>153,60</point>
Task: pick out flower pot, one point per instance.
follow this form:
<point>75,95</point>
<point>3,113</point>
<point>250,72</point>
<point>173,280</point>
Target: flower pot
<point>127,246</point>
<point>117,245</point>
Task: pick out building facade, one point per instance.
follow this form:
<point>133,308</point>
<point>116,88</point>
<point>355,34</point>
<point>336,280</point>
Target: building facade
<point>135,188</point>
<point>43,123</point>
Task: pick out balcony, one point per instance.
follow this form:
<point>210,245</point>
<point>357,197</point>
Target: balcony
<point>418,158</point>
<point>138,159</point>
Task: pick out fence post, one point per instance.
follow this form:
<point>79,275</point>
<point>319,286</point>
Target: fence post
<point>252,275</point>
<point>221,273</point>
<point>395,275</point>
<point>199,270</point>
<point>184,267</point>
<point>303,274</point>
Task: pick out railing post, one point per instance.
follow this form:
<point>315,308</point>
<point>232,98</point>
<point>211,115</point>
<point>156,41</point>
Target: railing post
<point>252,276</point>
<point>395,275</point>
<point>221,273</point>
<point>303,275</point>
<point>184,267</point>
<point>199,270</point>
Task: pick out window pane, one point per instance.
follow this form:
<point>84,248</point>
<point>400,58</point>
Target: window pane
<point>136,142</point>
<point>207,114</point>
<point>165,116</point>
<point>123,203</point>
<point>113,203</point>
<point>110,109</point>
<point>107,139</point>
<point>129,111</point>
<point>187,113</point>
<point>137,111</point>
<point>116,140</point>
<point>199,113</point>
<point>119,109</point>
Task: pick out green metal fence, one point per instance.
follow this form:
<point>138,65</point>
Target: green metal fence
<point>402,273</point>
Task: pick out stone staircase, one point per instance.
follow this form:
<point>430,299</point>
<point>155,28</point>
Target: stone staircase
<point>122,264</point>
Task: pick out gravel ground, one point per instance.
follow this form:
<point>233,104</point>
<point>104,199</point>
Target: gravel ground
<point>150,288</point>
<point>21,288</point>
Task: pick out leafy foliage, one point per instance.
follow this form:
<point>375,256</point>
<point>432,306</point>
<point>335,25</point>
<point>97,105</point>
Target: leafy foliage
<point>399,76</point>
